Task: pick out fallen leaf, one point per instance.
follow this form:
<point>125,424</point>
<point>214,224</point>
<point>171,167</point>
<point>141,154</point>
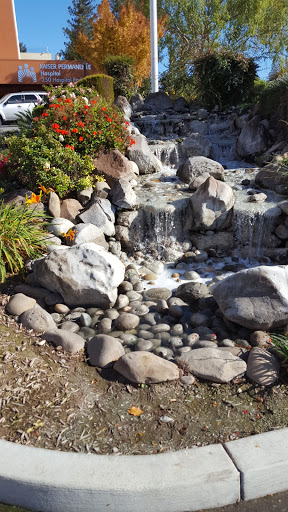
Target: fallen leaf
<point>135,411</point>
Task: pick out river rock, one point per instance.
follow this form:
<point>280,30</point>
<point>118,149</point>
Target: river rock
<point>126,321</point>
<point>213,364</point>
<point>103,350</point>
<point>192,291</point>
<point>256,298</point>
<point>20,303</point>
<point>262,367</point>
<point>69,341</point>
<point>157,294</point>
<point>84,274</point>
<point>211,206</point>
<point>197,166</point>
<point>146,368</point>
<point>37,319</point>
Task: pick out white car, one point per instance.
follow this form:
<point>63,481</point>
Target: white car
<point>19,102</point>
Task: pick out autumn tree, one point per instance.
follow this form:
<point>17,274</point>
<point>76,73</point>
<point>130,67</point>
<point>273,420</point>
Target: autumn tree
<point>81,12</point>
<point>128,34</point>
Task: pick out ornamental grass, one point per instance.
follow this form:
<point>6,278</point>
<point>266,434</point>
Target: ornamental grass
<point>22,237</point>
<point>280,342</point>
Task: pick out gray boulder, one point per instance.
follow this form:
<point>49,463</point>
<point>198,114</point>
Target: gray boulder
<point>20,303</point>
<point>141,154</point>
<point>124,105</point>
<point>213,364</point>
<point>101,214</point>
<point>197,166</point>
<point>158,101</point>
<point>145,368</point>
<point>211,206</point>
<point>256,298</point>
<point>85,274</point>
<point>197,145</point>
<point>253,138</point>
<point>123,195</point>
<point>59,225</point>
<point>85,233</point>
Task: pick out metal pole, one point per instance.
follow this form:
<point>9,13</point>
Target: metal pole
<point>154,45</point>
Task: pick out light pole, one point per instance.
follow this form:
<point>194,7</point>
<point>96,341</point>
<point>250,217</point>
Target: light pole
<point>154,45</point>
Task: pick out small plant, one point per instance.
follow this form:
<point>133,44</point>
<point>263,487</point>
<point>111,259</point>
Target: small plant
<point>22,237</point>
<point>280,342</point>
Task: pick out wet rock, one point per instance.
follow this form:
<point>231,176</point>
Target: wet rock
<point>196,166</point>
<point>101,214</point>
<point>197,145</point>
<point>213,364</point>
<point>146,368</point>
<point>191,292</point>
<point>253,138</point>
<point>123,195</point>
<point>211,206</point>
<point>20,303</point>
<point>37,319</point>
<point>262,367</point>
<point>103,350</point>
<point>157,294</point>
<point>69,341</point>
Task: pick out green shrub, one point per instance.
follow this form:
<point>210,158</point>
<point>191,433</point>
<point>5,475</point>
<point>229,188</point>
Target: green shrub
<point>58,151</point>
<point>273,105</point>
<point>102,84</point>
<point>224,78</point>
<point>120,68</point>
<point>22,237</point>
<point>179,82</point>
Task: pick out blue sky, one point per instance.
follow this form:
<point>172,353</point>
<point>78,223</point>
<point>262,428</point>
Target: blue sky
<point>40,27</point>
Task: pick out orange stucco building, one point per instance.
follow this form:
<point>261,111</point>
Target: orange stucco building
<point>18,74</point>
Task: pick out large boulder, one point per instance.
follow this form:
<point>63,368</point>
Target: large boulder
<point>84,275</point>
<point>272,177</point>
<point>253,138</point>
<point>158,101</point>
<point>113,166</point>
<point>197,166</point>
<point>123,104</point>
<point>256,298</point>
<point>197,145</point>
<point>141,154</point>
<point>211,206</point>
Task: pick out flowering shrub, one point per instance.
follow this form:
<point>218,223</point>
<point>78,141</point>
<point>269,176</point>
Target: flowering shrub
<point>58,151</point>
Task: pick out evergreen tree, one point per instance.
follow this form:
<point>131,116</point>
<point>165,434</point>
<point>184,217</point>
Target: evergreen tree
<point>81,13</point>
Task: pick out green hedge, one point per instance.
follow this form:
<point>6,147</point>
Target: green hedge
<point>102,83</point>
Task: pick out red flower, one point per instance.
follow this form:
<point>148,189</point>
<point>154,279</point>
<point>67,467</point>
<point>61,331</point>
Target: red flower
<point>80,124</point>
<point>95,133</point>
<point>81,139</point>
<point>93,101</point>
<point>55,126</point>
<point>133,141</point>
<point>74,130</point>
<point>69,147</point>
<point>44,114</point>
<point>85,112</point>
<point>64,132</point>
<point>58,130</point>
<point>126,122</point>
<point>59,100</point>
<point>86,106</point>
<point>64,118</point>
<point>104,109</point>
<point>109,119</point>
<point>68,100</point>
<point>100,132</point>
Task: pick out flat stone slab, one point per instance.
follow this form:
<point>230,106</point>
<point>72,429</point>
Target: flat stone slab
<point>48,480</point>
<point>263,463</point>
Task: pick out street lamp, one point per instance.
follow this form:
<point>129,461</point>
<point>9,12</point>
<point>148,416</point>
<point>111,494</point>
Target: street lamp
<point>154,45</point>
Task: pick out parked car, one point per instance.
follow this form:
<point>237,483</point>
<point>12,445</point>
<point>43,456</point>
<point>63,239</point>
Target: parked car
<point>19,102</point>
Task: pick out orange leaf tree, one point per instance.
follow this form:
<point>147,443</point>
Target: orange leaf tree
<point>129,34</point>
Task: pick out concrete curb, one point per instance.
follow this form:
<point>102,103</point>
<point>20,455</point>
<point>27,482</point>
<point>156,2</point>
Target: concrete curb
<point>186,480</point>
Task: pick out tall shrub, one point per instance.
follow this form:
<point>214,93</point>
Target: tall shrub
<point>120,67</point>
<point>224,78</point>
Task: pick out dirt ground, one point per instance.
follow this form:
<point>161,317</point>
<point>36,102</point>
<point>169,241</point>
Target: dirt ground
<point>54,400</point>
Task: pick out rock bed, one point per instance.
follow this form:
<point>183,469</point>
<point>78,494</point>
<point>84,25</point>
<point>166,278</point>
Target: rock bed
<point>151,334</point>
